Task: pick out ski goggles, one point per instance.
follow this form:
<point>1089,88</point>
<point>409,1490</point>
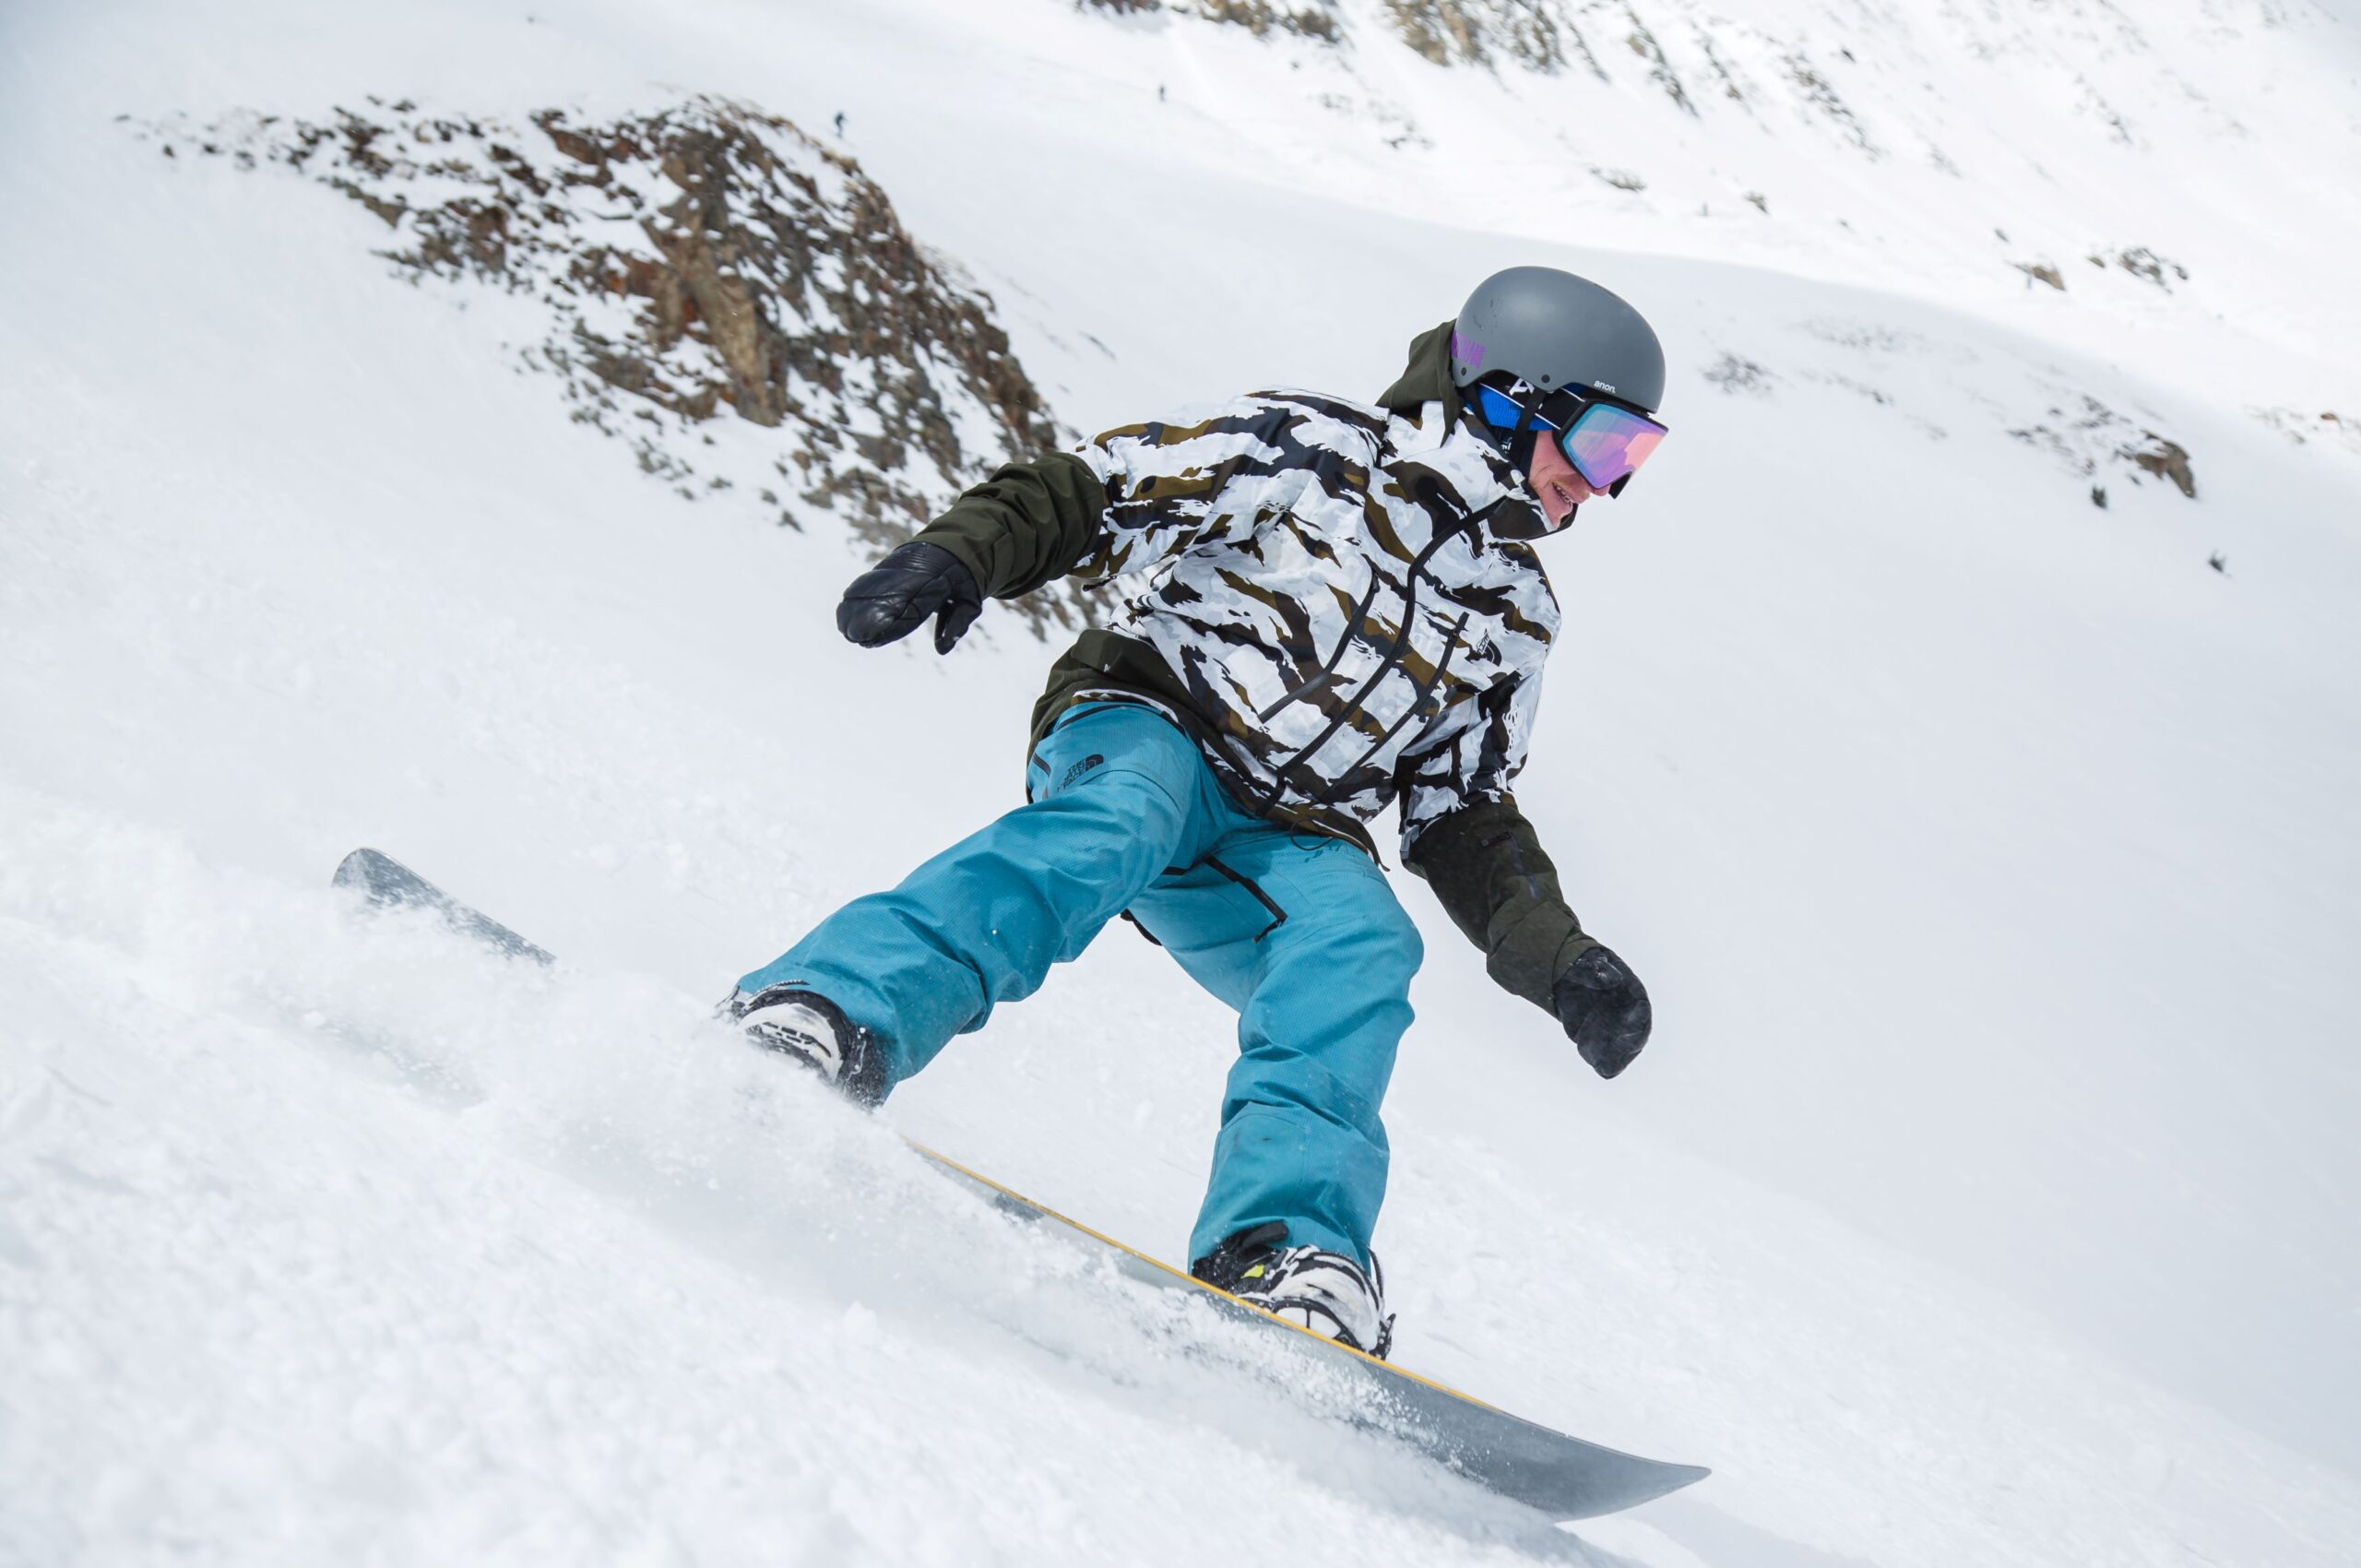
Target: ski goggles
<point>1605,442</point>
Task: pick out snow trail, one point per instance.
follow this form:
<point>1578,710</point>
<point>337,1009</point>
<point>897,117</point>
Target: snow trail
<point>484,1260</point>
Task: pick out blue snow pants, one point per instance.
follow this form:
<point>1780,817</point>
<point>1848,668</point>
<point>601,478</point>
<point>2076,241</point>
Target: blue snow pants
<point>1299,932</point>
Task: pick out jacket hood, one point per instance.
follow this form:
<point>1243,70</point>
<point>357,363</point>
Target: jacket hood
<point>1427,379</point>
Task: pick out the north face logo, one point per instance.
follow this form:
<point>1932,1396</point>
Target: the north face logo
<point>1065,780</point>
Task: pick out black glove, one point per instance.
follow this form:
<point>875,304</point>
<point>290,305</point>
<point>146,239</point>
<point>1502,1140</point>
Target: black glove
<point>1605,1009</point>
<point>887,603</point>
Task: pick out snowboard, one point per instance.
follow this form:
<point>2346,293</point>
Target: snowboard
<point>1563,1476</point>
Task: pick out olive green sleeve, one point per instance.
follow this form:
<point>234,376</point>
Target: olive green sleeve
<point>1027,525</point>
<point>1487,867</point>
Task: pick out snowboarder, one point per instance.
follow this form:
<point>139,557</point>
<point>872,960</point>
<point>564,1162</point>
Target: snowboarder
<point>1325,606</point>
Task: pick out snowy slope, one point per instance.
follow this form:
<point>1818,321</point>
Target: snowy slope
<point>1984,1198</point>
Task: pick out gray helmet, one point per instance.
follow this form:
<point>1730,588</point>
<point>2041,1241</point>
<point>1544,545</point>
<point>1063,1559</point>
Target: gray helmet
<point>1556,330</point>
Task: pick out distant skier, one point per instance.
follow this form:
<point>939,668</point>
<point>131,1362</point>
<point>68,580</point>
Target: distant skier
<point>1325,606</point>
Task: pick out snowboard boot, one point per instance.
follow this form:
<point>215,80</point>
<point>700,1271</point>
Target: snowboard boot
<point>1326,1292</point>
<point>808,1027</point>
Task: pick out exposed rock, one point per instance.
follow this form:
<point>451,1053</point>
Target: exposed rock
<point>2091,436</point>
<point>1820,95</point>
<point>1393,125</point>
<point>702,261</point>
<point>1257,16</point>
<point>1854,385</point>
<point>1722,71</point>
<point>2344,430</point>
<point>2142,263</point>
<point>2329,426</point>
<point>1735,372</point>
<point>1477,31</point>
<point>2165,460</point>
<point>2043,271</point>
<point>2094,103</point>
<point>1643,43</point>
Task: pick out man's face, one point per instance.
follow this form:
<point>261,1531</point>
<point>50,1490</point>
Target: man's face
<point>1555,484</point>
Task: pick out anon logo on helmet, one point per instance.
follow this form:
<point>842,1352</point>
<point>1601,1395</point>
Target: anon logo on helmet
<point>1465,347</point>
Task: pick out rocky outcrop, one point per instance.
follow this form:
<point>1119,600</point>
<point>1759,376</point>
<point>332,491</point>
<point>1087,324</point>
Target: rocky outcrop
<point>1313,19</point>
<point>1478,32</point>
<point>2088,437</point>
<point>703,263</point>
<point>2142,263</point>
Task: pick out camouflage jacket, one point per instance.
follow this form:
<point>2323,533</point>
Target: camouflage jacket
<point>1324,580</point>
<point>1338,599</point>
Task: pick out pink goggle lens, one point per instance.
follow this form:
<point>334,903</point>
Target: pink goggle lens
<point>1608,443</point>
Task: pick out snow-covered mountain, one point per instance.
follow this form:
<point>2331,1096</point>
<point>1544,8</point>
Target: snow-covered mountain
<point>1959,727</point>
